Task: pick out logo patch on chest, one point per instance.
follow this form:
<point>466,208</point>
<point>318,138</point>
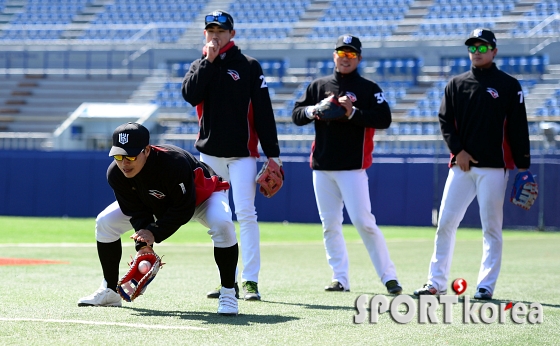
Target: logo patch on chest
<point>234,74</point>
<point>493,92</point>
<point>351,96</point>
<point>157,194</point>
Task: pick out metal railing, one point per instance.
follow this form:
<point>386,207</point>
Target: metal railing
<point>25,141</point>
<point>68,62</point>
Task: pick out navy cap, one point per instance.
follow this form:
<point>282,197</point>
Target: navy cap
<point>129,139</point>
<point>349,41</point>
<point>219,17</point>
<point>481,34</point>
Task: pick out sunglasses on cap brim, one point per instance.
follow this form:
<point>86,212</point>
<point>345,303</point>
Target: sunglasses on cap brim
<point>220,19</point>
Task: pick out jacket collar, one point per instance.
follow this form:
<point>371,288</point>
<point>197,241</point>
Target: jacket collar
<point>480,72</point>
<point>346,77</point>
<point>226,52</point>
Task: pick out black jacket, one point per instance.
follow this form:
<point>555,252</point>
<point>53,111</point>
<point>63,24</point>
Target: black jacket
<point>169,186</point>
<point>346,144</point>
<point>233,106</point>
<point>483,112</point>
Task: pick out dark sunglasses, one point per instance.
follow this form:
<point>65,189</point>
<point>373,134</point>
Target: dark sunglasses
<point>129,158</point>
<point>349,55</point>
<point>219,19</point>
<point>482,49</point>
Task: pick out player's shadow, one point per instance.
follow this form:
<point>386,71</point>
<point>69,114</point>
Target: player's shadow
<point>213,318</point>
<point>312,306</point>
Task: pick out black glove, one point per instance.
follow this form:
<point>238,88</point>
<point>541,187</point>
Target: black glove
<point>329,109</point>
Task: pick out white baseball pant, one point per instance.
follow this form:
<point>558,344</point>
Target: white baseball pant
<point>489,186</point>
<point>333,191</point>
<point>213,213</point>
<point>241,173</point>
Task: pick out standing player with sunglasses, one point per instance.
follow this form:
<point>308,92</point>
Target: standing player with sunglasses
<point>233,105</point>
<point>340,155</point>
<point>484,123</point>
<point>159,189</point>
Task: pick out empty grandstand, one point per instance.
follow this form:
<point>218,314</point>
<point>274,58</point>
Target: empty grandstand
<point>57,54</point>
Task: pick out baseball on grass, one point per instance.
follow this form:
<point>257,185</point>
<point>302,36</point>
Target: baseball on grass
<point>144,266</point>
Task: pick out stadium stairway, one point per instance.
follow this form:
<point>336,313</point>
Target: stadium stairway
<point>147,90</point>
<point>193,33</point>
<point>314,11</point>
<point>546,87</point>
<point>409,24</point>
<point>83,19</point>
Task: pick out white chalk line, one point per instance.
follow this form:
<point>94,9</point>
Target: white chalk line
<point>131,325</point>
<point>209,244</point>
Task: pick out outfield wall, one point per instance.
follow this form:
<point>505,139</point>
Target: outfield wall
<point>404,190</point>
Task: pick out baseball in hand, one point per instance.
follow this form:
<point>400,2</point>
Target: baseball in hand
<point>144,266</point>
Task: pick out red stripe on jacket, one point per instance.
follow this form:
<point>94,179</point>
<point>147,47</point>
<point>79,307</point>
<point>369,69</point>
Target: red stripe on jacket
<point>506,148</point>
<point>253,141</point>
<point>199,113</point>
<point>367,159</point>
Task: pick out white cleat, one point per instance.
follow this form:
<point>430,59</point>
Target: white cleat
<point>227,302</point>
<point>102,297</point>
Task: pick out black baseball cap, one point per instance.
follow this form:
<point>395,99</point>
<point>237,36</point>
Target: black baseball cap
<point>129,139</point>
<point>349,41</point>
<point>219,17</point>
<point>481,34</point>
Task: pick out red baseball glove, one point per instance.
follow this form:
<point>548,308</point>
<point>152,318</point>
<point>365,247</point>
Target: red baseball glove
<point>271,177</point>
<point>134,283</point>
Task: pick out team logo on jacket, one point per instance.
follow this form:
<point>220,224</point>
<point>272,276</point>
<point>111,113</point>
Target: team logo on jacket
<point>351,96</point>
<point>123,138</point>
<point>157,194</point>
<point>234,74</point>
<point>493,92</point>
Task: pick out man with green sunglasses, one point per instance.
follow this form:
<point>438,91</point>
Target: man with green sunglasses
<point>484,123</point>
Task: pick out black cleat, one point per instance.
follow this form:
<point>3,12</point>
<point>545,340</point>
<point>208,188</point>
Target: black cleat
<point>393,287</point>
<point>216,293</point>
<point>336,286</point>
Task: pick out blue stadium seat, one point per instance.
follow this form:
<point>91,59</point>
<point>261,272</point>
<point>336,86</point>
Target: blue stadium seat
<point>430,129</point>
<point>534,129</point>
<point>541,112</point>
<point>413,112</point>
<point>550,103</point>
<point>405,129</point>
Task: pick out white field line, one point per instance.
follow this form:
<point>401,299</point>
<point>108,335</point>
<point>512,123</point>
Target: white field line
<point>131,325</point>
<point>209,244</point>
